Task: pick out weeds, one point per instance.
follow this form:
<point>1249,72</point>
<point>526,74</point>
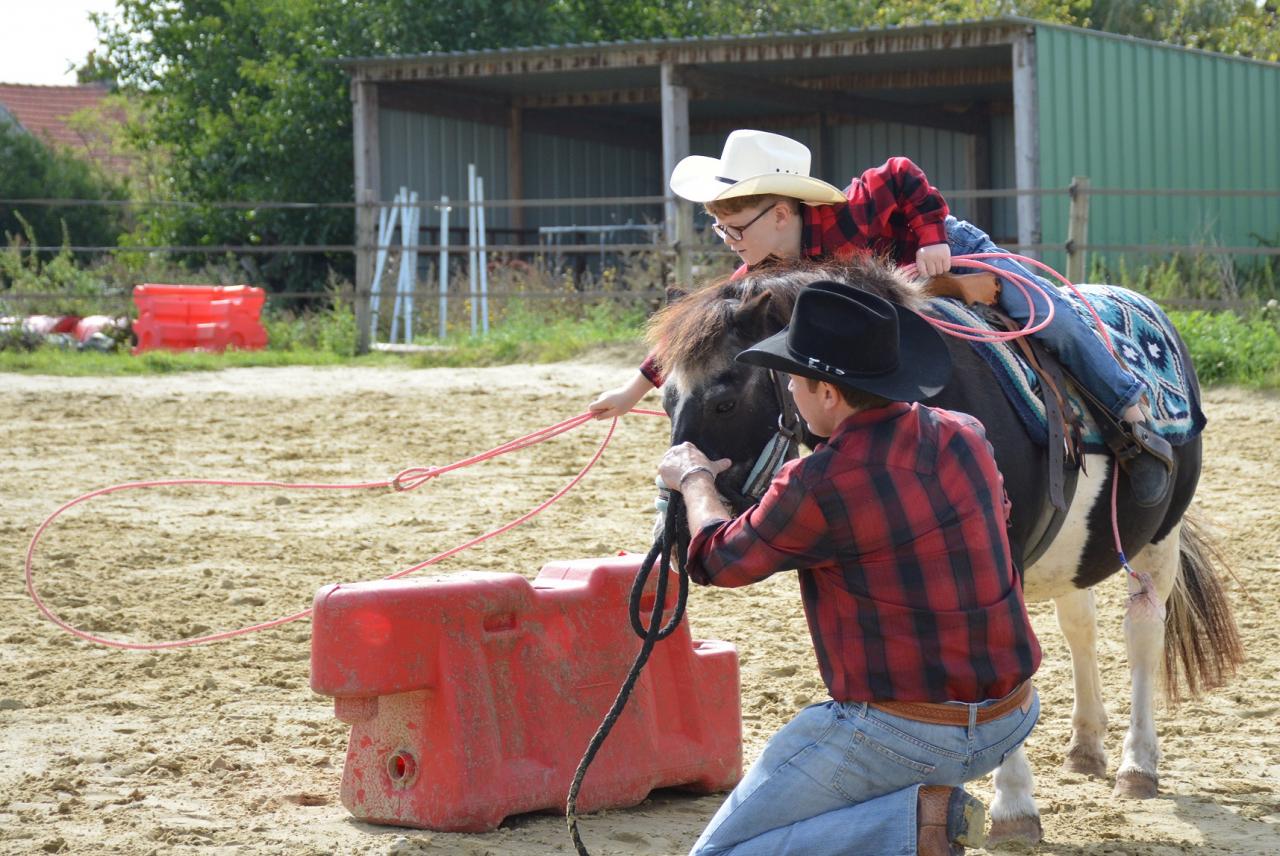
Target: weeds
<point>1228,348</point>
<point>543,314</point>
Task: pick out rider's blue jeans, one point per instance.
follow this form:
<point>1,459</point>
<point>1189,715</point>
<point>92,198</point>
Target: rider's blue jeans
<point>1073,341</point>
<point>842,778</point>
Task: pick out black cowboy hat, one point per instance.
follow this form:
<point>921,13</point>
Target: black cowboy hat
<point>852,338</point>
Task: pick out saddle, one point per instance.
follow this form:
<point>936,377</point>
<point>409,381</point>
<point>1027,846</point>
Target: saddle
<point>1065,443</point>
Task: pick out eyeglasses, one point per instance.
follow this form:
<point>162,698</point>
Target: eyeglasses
<point>734,233</point>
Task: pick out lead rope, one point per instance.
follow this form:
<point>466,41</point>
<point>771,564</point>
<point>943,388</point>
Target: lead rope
<point>666,543</point>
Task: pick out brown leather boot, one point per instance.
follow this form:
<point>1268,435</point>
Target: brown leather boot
<point>948,820</point>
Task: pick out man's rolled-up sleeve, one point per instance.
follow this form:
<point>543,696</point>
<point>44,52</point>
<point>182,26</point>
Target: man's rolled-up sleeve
<point>784,531</point>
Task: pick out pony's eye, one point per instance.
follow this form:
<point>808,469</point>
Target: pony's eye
<point>725,407</point>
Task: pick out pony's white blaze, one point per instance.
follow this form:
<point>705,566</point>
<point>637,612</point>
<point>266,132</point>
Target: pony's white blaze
<point>1054,573</point>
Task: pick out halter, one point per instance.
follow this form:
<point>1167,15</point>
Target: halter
<point>783,445</point>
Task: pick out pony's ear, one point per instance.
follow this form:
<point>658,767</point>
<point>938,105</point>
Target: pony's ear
<point>751,319</point>
<point>675,292</point>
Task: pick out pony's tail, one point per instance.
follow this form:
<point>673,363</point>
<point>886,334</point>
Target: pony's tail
<point>1201,639</point>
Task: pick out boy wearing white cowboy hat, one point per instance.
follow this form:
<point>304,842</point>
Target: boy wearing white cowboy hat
<point>768,209</point>
<point>896,526</point>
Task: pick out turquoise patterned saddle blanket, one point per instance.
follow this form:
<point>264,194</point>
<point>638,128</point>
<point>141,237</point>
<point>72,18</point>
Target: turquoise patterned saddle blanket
<point>1140,332</point>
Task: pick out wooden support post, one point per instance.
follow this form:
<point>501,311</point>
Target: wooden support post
<point>1026,138</point>
<point>364,97</point>
<point>1078,229</point>
<point>675,146</point>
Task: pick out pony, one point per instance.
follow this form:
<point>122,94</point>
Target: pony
<point>1181,617</point>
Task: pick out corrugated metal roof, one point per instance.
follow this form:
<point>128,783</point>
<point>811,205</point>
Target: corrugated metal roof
<point>760,38</point>
<point>679,42</point>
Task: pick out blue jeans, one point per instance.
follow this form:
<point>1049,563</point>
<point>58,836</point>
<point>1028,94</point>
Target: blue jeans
<point>842,778</point>
<point>1074,342</point>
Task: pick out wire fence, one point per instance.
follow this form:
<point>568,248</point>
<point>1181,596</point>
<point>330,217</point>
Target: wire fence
<point>589,250</point>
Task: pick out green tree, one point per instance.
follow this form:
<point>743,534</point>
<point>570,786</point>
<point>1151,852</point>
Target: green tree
<point>31,170</point>
<point>246,102</point>
<point>1243,27</point>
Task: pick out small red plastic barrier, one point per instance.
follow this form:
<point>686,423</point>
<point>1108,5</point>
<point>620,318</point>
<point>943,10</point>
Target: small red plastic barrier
<point>198,317</point>
<point>473,697</point>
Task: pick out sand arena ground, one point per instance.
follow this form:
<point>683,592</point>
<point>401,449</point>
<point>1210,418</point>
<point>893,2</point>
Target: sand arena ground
<point>224,749</point>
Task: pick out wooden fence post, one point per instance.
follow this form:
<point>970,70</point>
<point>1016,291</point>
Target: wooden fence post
<point>675,146</point>
<point>1078,228</point>
<point>366,223</point>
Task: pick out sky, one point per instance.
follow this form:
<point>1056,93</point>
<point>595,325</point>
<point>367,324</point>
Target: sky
<point>41,39</point>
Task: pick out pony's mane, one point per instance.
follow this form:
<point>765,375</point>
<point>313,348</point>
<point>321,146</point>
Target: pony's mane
<point>691,331</point>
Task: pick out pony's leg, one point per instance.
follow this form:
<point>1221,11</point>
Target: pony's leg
<point>1144,638</point>
<point>1086,753</point>
<point>1014,815</point>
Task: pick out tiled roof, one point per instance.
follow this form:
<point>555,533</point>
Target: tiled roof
<point>45,111</point>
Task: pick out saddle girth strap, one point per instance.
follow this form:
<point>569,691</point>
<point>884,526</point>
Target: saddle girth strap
<point>1060,418</point>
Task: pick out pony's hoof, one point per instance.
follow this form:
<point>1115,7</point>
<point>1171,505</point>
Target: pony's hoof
<point>1135,785</point>
<point>1015,830</point>
<point>1087,762</point>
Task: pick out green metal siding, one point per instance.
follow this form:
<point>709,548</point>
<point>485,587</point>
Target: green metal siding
<point>1131,114</point>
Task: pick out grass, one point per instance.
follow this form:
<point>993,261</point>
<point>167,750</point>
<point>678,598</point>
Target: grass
<point>1230,349</point>
<point>524,336</point>
<point>1227,347</point>
<point>328,339</point>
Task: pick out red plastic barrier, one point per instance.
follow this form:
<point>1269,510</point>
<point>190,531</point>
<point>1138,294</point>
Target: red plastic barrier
<point>204,317</point>
<point>473,697</point>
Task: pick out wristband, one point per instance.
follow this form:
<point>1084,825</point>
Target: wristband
<point>691,471</point>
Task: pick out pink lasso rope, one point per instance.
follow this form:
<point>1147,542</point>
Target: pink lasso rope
<point>1023,284</point>
<point>408,479</point>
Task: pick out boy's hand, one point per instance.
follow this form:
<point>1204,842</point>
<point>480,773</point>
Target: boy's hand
<point>933,260</point>
<point>611,404</point>
<point>616,402</point>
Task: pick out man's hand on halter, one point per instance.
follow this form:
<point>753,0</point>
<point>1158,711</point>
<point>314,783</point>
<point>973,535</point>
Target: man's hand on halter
<point>686,469</point>
<point>933,260</point>
<point>687,461</point>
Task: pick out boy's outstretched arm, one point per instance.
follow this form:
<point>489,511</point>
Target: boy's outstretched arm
<point>615,402</point>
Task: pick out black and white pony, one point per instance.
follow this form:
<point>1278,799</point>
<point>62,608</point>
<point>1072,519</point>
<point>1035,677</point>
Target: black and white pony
<point>730,410</point>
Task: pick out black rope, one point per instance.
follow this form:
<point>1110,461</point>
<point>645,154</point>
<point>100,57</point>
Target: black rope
<point>668,542</point>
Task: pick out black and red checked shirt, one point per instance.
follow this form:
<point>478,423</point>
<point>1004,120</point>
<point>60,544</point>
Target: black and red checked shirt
<point>897,528</point>
<point>892,211</point>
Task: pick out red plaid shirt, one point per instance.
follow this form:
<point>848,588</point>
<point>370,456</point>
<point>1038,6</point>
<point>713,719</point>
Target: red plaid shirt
<point>897,527</point>
<point>892,210</point>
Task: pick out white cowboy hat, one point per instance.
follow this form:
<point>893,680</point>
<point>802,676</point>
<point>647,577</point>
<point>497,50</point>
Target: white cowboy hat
<point>753,162</point>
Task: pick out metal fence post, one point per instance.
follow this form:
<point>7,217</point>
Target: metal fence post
<point>484,257</point>
<point>1078,228</point>
<point>472,255</point>
<point>443,267</point>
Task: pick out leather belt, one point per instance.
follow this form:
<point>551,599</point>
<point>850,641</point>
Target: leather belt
<point>956,714</point>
